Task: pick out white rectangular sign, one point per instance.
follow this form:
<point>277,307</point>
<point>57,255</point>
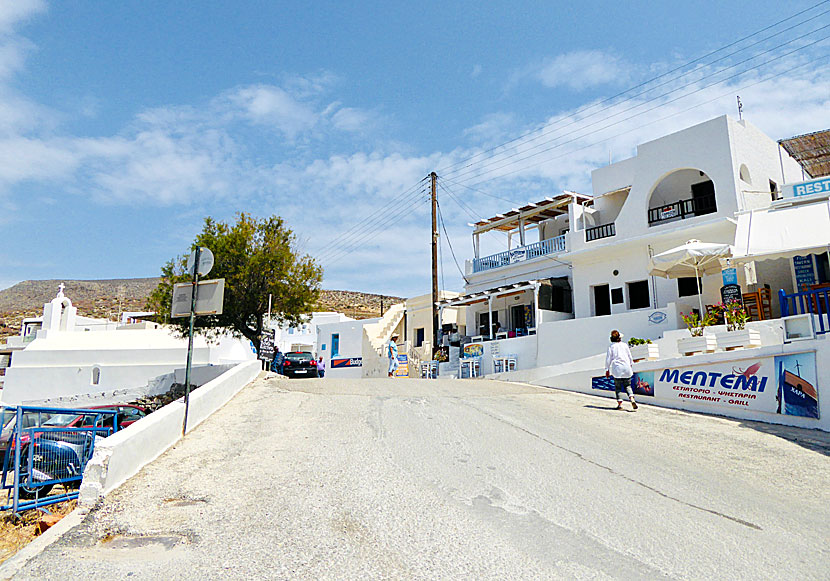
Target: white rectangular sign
<point>209,299</point>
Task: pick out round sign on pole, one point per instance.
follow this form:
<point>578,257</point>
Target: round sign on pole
<point>205,261</point>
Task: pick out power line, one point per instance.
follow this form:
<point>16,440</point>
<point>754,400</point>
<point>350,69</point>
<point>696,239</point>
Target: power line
<point>362,232</point>
<point>358,225</point>
<point>345,251</point>
<point>449,243</point>
<point>663,104</point>
<point>648,81</point>
<point>731,91</point>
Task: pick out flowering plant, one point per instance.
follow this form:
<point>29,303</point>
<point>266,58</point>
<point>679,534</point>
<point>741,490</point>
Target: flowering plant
<point>695,323</point>
<point>735,315</point>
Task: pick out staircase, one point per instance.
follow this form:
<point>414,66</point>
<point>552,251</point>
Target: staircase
<point>375,338</point>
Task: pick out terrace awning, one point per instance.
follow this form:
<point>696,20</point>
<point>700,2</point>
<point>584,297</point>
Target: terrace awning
<point>531,213</point>
<point>811,151</point>
<point>783,232</point>
<point>483,296</point>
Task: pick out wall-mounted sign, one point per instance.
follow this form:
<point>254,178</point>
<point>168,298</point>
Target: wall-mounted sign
<point>807,188</point>
<point>805,274</point>
<point>472,350</point>
<point>657,317</point>
<point>730,276</point>
<point>347,362</point>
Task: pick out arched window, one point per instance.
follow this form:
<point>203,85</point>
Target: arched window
<point>96,375</point>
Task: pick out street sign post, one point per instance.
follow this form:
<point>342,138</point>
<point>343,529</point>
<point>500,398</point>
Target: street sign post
<point>210,303</point>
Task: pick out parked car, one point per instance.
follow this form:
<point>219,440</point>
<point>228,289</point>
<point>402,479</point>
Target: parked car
<point>299,364</point>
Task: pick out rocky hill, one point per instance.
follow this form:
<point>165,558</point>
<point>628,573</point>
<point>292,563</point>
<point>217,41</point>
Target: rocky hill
<point>107,298</point>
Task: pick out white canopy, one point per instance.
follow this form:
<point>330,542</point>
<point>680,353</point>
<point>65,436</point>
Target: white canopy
<point>783,232</point>
<point>695,258</point>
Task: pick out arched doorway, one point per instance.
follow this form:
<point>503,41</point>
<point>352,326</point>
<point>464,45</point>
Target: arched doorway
<point>681,194</point>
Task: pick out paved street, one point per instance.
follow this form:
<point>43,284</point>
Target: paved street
<point>410,479</point>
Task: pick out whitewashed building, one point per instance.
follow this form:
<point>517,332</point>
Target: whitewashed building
<point>582,260</point>
<point>64,359</point>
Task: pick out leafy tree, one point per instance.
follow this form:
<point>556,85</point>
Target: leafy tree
<point>256,258</point>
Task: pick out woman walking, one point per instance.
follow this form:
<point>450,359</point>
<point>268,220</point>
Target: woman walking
<point>618,363</point>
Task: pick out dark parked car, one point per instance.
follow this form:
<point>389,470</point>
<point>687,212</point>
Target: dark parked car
<point>299,364</point>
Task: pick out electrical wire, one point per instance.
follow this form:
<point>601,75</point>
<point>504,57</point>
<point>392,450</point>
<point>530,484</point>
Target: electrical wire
<point>449,243</point>
<point>370,226</point>
<point>663,104</point>
<point>358,225</point>
<point>585,108</point>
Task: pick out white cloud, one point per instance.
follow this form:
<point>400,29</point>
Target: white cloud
<point>270,105</point>
<point>12,12</point>
<point>582,69</point>
<point>476,71</point>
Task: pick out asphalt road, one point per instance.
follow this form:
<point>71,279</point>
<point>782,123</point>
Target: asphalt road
<point>411,479</point>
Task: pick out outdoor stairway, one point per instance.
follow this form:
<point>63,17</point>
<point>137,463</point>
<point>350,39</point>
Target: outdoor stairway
<point>375,338</point>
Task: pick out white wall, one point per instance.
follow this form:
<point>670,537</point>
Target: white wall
<point>61,364</point>
<point>351,345</point>
<point>123,454</point>
<point>581,381</point>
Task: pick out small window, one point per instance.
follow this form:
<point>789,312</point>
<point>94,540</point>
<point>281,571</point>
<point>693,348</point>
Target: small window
<point>335,345</point>
<point>688,286</point>
<point>617,296</point>
<point>773,190</point>
<point>419,337</point>
<point>638,295</point>
<point>96,375</point>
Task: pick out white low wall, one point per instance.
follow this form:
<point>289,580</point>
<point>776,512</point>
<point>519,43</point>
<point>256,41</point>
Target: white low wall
<point>563,377</point>
<point>123,454</point>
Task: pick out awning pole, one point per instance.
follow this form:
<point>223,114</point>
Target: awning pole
<point>699,284</point>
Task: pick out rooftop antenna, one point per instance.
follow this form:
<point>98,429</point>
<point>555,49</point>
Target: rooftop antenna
<point>740,108</point>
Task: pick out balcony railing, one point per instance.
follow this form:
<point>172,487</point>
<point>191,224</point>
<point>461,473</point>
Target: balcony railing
<point>601,231</point>
<point>520,254</point>
<point>683,209</point>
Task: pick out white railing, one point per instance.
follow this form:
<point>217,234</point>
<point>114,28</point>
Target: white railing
<point>521,253</point>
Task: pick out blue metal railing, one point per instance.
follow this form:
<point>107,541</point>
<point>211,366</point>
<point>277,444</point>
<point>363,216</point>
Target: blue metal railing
<point>816,302</point>
<point>45,447</point>
<point>521,253</point>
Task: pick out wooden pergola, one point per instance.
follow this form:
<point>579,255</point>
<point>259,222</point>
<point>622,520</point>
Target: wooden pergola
<point>528,216</point>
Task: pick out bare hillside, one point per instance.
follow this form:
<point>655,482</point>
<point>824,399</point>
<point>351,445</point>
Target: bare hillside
<point>107,298</point>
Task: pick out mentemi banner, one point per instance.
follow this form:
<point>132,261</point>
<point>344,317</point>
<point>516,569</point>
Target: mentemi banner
<point>783,384</point>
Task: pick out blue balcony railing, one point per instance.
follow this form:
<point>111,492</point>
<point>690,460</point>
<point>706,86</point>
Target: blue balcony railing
<point>520,254</point>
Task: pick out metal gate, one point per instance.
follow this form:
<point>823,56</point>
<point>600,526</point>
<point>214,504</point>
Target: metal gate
<point>48,447</point>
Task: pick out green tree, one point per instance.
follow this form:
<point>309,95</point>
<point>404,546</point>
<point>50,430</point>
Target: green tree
<point>256,258</point>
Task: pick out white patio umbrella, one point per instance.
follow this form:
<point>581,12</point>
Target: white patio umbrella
<point>695,258</point>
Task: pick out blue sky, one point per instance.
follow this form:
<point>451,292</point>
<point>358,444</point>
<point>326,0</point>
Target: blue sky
<point>124,124</point>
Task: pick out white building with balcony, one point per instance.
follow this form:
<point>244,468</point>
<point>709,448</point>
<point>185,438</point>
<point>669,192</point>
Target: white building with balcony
<point>575,265</point>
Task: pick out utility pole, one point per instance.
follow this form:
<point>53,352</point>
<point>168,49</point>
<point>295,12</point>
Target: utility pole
<point>434,179</point>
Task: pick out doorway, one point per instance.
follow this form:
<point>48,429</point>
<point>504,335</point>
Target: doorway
<point>602,300</point>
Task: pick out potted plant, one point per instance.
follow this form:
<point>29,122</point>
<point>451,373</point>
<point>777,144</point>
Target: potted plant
<point>698,342</point>
<point>737,336</point>
<point>643,349</point>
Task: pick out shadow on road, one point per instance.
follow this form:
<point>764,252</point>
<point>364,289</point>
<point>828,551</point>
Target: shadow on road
<point>815,440</point>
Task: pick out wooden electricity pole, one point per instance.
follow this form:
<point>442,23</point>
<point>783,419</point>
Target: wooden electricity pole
<point>434,179</point>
